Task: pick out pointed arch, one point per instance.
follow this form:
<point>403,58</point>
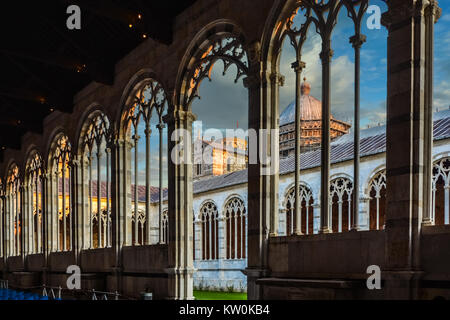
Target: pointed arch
<point>60,181</point>
<point>341,209</point>
<point>235,215</point>
<point>377,202</point>
<point>144,106</point>
<point>306,207</point>
<point>221,40</point>
<point>14,218</point>
<point>209,219</point>
<point>34,193</point>
<point>440,214</point>
<point>95,160</point>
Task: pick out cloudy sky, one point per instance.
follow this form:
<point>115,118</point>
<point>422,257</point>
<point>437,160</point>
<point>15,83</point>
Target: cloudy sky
<point>224,104</point>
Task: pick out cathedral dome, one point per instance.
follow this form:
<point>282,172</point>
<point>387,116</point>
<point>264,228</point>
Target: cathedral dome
<point>310,107</point>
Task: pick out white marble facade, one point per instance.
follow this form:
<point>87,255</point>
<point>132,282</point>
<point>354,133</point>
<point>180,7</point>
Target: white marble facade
<point>224,274</point>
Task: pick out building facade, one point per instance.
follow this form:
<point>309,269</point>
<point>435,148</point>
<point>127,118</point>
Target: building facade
<point>99,141</point>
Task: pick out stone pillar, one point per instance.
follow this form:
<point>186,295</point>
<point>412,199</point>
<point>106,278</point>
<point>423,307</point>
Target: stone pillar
<point>222,238</point>
<point>180,199</point>
<point>45,208</point>
<point>26,219</point>
<point>198,240</point>
<point>432,14</point>
<point>2,225</point>
<point>364,213</point>
<point>276,81</point>
<point>121,201</point>
<point>259,198</point>
<point>316,217</point>
<point>77,205</point>
<point>282,221</point>
<point>407,148</point>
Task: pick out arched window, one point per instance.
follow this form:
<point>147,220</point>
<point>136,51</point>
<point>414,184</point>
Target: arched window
<point>441,192</point>
<point>341,193</point>
<point>14,207</point>
<point>34,174</point>
<point>138,227</point>
<point>144,127</point>
<point>97,154</point>
<point>209,217</point>
<point>60,166</point>
<point>236,229</point>
<point>306,42</point>
<point>377,205</point>
<point>307,211</point>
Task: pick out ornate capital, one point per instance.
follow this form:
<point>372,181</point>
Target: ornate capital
<point>277,79</point>
<point>254,52</point>
<point>179,115</point>
<point>433,10</point>
<point>401,10</point>
<point>75,163</point>
<point>252,81</point>
<point>298,66</point>
<point>358,40</point>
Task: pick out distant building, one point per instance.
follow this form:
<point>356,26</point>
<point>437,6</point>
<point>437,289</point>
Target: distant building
<point>218,157</point>
<point>311,124</point>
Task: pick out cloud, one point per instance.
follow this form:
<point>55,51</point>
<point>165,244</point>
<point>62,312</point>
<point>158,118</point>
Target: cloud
<point>373,113</point>
<point>442,95</point>
<point>342,78</point>
<point>223,102</point>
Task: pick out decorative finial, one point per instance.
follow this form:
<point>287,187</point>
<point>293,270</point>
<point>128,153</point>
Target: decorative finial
<point>305,87</point>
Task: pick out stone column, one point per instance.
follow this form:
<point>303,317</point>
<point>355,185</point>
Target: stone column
<point>432,14</point>
<point>316,217</point>
<point>180,201</point>
<point>222,238</point>
<point>364,218</point>
<point>282,221</point>
<point>148,193</point>
<point>259,198</point>
<point>121,201</point>
<point>44,218</point>
<point>298,67</point>
<point>160,127</point>
<point>198,241</point>
<point>407,147</point>
<point>26,220</point>
<point>276,81</point>
<point>77,205</point>
<point>52,214</point>
<point>325,214</point>
<point>2,225</point>
<point>357,41</point>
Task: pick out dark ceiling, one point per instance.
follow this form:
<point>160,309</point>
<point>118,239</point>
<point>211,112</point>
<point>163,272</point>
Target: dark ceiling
<point>43,64</point>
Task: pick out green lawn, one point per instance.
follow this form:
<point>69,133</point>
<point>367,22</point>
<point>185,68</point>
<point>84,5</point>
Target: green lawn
<point>214,295</point>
